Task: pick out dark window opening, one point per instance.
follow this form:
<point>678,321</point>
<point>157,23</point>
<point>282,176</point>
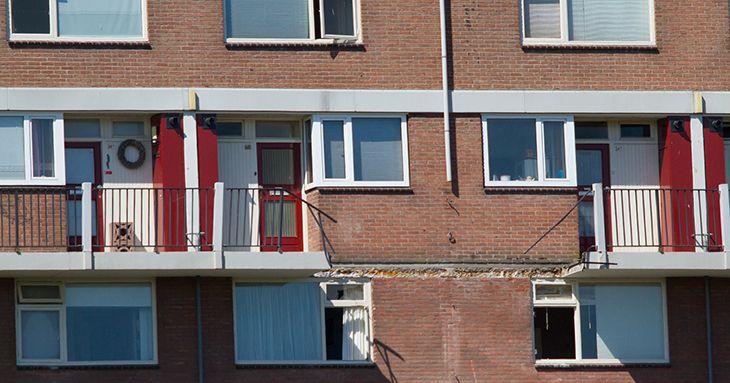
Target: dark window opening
<point>31,16</point>
<point>594,130</point>
<point>554,333</point>
<point>635,131</point>
<point>333,332</point>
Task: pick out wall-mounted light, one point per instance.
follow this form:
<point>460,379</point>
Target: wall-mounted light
<point>716,125</point>
<point>173,122</point>
<point>677,126</point>
<point>155,135</point>
<point>209,122</point>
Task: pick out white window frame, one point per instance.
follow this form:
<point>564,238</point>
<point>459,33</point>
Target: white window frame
<point>59,167</point>
<point>365,302</point>
<point>574,302</point>
<point>324,39</point>
<point>542,181</point>
<point>564,41</point>
<point>63,344</point>
<point>53,35</point>
<point>318,160</point>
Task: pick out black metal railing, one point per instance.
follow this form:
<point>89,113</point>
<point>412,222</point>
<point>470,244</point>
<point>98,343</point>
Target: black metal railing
<point>151,219</point>
<point>40,218</point>
<point>666,219</point>
<point>269,219</point>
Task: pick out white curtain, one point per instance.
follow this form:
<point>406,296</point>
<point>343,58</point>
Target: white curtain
<point>279,322</point>
<point>119,18</point>
<point>542,18</point>
<point>355,342</point>
<point>601,20</point>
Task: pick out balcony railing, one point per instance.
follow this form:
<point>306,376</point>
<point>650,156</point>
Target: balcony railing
<point>122,219</point>
<point>660,219</point>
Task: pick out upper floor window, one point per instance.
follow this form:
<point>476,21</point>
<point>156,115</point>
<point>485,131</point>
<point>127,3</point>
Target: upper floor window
<point>31,150</point>
<point>521,151</point>
<point>588,22</point>
<point>78,20</point>
<point>291,20</point>
<point>359,151</point>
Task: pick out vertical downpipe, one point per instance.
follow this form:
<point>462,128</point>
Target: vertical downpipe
<point>199,321</point>
<point>445,82</point>
<point>708,324</point>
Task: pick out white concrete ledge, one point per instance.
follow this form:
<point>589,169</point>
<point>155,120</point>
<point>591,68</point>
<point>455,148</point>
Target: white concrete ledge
<point>93,99</point>
<point>653,264</point>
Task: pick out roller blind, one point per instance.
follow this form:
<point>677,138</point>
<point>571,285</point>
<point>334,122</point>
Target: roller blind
<point>272,19</point>
<point>616,20</point>
<point>119,18</point>
<point>542,18</point>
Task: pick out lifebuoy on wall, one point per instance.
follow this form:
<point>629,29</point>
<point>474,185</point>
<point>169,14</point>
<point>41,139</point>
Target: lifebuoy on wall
<point>122,154</point>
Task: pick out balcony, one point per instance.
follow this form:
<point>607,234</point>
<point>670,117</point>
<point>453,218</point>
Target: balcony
<point>654,232</point>
<point>257,231</point>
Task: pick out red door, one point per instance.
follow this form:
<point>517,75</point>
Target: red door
<point>593,166</point>
<point>83,161</point>
<point>279,166</point>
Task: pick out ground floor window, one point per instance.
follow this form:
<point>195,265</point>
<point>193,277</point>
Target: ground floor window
<point>85,323</point>
<point>600,322</point>
<point>303,322</point>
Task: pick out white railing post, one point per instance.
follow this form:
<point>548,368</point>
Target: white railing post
<point>725,216</point>
<point>599,221</point>
<point>218,197</point>
<point>86,222</point>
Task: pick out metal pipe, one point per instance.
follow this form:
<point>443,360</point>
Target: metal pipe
<point>708,324</point>
<point>199,323</point>
<point>445,82</point>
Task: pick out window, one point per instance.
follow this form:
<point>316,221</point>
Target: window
<point>591,130</point>
<point>128,129</point>
<point>82,128</point>
<point>588,22</point>
<point>529,151</point>
<point>78,20</point>
<point>291,20</point>
<point>307,322</point>
<point>277,129</point>
<point>600,323</point>
<point>635,131</point>
<point>85,323</point>
<point>31,149</point>
<point>359,151</point>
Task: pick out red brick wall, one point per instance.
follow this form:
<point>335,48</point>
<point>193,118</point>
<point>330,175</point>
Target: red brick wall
<point>34,220</point>
<point>414,226</point>
<point>426,330</point>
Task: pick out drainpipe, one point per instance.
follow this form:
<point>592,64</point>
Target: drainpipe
<point>708,324</point>
<point>445,81</point>
<point>198,319</point>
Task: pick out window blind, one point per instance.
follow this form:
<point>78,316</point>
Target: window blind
<point>120,18</point>
<point>601,20</point>
<point>273,19</point>
<point>542,18</point>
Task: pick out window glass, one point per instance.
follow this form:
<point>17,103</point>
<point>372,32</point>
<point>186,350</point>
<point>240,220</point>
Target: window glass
<point>344,292</point>
<point>542,18</point>
<point>308,149</point>
<point>82,128</point>
<point>377,149</point>
<point>591,130</point>
<point>228,129</point>
<point>586,224</point>
<point>635,130</point>
<point>277,129</point>
<point>338,17</point>
<point>31,16</point>
<point>40,292</point>
<point>40,334</point>
<point>512,149</point>
<point>281,19</point>
<point>600,20</point>
<point>544,292</point>
<point>590,166</point>
<point>554,149</point>
<point>279,322</point>
<point>119,18</point>
<point>109,323</point>
<point>12,148</point>
<point>127,128</point>
<point>42,147</point>
<point>334,149</point>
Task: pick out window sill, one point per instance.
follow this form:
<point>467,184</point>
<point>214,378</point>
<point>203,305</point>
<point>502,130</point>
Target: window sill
<point>367,364</point>
<point>74,43</point>
<point>361,189</point>
<point>318,44</point>
<point>589,47</point>
<point>154,366</point>
<point>596,364</point>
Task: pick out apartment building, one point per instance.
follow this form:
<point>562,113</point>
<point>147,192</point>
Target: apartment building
<point>236,190</point>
